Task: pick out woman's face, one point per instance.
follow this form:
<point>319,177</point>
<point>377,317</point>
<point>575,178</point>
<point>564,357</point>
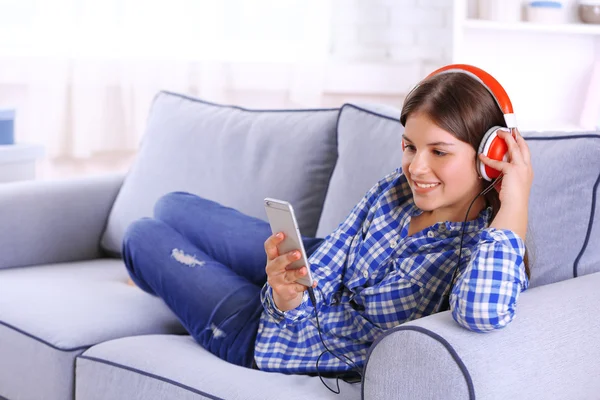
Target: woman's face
<point>440,169</point>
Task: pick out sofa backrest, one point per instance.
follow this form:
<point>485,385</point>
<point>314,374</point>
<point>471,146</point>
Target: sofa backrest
<point>564,220</point>
<point>231,155</point>
<point>369,147</point>
<point>324,161</point>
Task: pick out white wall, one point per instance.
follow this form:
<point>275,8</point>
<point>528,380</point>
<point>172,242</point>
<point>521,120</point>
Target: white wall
<point>545,68</point>
<point>387,46</point>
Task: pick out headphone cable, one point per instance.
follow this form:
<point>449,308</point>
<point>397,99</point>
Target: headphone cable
<point>349,362</point>
<point>445,304</point>
<point>445,300</point>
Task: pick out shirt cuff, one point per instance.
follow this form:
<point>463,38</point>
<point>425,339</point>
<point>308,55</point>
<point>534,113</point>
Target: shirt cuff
<point>284,317</point>
<point>484,298</point>
<point>505,236</point>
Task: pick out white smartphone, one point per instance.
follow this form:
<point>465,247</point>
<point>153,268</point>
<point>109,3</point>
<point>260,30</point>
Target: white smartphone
<point>282,219</point>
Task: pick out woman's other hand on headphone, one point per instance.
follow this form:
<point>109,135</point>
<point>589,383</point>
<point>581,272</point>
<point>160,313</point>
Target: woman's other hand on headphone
<point>515,185</point>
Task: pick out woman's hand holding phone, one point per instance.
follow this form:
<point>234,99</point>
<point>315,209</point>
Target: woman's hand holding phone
<point>287,294</point>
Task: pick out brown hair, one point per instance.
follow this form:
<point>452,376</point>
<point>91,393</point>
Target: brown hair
<point>461,105</point>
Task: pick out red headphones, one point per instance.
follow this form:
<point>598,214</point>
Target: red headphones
<point>491,145</point>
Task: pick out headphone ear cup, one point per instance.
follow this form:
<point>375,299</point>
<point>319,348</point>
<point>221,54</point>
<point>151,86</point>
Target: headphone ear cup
<point>493,147</point>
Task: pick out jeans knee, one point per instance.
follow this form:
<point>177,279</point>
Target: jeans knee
<point>138,231</point>
<point>175,205</point>
<point>172,204</point>
<point>168,202</point>
<point>134,241</point>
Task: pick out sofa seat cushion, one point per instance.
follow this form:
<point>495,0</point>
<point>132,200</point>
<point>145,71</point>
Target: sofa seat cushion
<point>230,155</point>
<point>156,367</point>
<point>49,314</point>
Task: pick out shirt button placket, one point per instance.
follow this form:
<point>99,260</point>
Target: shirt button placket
<point>430,234</point>
<point>335,298</point>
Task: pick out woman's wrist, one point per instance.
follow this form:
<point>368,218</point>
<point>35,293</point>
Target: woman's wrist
<point>284,305</point>
<point>513,218</point>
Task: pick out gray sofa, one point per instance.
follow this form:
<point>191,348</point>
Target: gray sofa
<point>70,327</point>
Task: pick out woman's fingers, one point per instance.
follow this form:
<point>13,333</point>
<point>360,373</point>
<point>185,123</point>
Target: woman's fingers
<point>495,164</point>
<point>286,286</point>
<point>283,276</point>
<point>299,288</point>
<point>513,148</point>
<point>282,279</point>
<point>278,266</point>
<point>524,148</point>
<point>271,245</point>
<point>517,150</point>
<point>293,289</point>
<point>293,275</point>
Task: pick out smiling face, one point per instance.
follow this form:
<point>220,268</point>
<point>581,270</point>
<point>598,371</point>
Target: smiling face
<point>440,170</point>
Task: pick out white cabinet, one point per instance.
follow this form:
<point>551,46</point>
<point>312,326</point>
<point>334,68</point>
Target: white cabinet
<point>18,161</point>
<point>545,68</point>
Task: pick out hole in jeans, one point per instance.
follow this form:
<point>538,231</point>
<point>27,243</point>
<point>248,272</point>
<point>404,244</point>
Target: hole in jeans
<point>186,259</point>
<point>217,333</point>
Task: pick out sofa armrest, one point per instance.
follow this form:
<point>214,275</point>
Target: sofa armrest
<point>45,222</point>
<point>551,350</point>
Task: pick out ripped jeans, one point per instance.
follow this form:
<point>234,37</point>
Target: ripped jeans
<point>207,262</point>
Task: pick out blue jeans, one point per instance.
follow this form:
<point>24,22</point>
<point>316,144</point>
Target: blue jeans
<point>207,262</point>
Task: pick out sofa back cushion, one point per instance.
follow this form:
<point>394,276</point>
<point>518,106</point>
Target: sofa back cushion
<point>564,219</point>
<point>231,155</point>
<point>369,147</point>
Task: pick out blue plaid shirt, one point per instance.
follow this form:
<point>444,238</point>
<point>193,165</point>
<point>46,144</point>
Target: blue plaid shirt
<point>373,276</point>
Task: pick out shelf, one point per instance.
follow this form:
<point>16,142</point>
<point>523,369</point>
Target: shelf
<point>572,28</point>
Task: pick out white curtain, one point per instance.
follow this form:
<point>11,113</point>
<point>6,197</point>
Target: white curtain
<point>82,73</point>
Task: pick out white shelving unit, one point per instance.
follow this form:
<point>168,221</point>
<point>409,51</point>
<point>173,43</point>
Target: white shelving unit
<point>568,28</point>
<point>545,68</point>
<point>18,161</point>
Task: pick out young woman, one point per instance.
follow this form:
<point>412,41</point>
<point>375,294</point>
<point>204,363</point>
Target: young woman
<point>394,259</point>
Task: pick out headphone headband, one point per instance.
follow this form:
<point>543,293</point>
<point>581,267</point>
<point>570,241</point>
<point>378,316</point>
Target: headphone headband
<point>490,83</point>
